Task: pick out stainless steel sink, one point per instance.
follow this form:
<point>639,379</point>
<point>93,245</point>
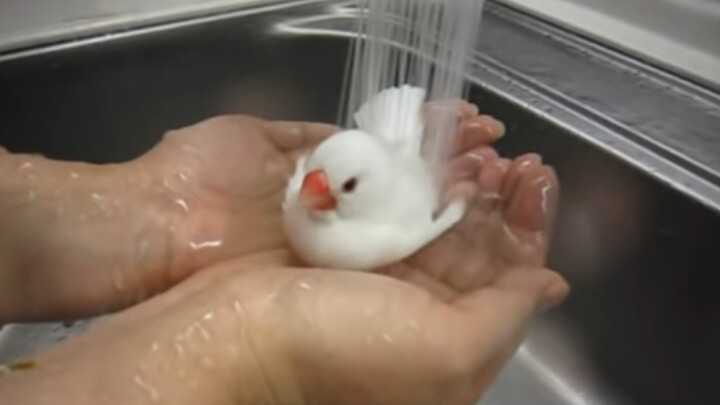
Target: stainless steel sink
<point>636,148</point>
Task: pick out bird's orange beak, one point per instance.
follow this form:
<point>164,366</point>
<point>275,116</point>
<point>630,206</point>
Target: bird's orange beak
<point>315,191</point>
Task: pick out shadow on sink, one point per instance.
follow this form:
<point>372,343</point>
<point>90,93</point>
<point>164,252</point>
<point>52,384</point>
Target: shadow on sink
<point>641,257</point>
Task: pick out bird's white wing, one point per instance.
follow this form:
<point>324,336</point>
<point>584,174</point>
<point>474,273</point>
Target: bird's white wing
<point>394,116</point>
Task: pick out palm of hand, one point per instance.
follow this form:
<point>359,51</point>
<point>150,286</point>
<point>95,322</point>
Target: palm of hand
<point>490,259</point>
<point>389,341</point>
<point>478,286</point>
<point>508,223</point>
<point>227,178</point>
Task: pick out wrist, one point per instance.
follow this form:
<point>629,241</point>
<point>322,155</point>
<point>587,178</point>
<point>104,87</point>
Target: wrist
<point>90,231</point>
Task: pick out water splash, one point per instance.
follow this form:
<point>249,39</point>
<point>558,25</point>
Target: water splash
<point>421,43</point>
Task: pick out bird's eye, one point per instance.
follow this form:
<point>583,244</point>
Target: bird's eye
<point>349,186</point>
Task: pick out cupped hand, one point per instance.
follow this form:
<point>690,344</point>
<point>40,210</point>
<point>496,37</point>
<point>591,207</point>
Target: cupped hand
<point>243,332</point>
<point>223,180</point>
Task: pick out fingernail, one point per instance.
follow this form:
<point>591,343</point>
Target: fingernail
<point>501,128</point>
<point>554,294</point>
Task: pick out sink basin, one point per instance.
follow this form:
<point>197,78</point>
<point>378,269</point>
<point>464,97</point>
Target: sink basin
<point>639,224</point>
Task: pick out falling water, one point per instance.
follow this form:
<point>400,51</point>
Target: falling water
<point>424,43</point>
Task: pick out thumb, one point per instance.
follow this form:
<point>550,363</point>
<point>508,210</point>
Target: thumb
<point>495,319</point>
<point>497,315</point>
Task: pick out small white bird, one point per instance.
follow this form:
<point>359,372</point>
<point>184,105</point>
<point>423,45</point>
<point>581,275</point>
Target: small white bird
<point>366,198</point>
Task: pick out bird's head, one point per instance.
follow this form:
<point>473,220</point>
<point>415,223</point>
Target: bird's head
<point>349,173</point>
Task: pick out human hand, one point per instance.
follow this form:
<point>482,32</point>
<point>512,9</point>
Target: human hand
<point>245,333</point>
<point>230,176</point>
<point>108,236</point>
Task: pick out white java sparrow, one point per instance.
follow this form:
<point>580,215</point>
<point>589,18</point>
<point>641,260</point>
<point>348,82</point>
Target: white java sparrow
<point>366,198</point>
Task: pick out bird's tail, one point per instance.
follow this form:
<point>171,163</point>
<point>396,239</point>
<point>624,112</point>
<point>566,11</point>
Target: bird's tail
<point>394,115</point>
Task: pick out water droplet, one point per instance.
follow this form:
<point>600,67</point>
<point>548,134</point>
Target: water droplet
<point>208,316</point>
<point>141,249</point>
<point>412,324</point>
<point>183,204</point>
<point>388,338</point>
<point>206,244</point>
<point>32,195</point>
<point>74,175</point>
<point>183,176</point>
<point>490,196</point>
<point>154,347</point>
<point>204,333</point>
<point>544,192</point>
<point>118,280</point>
<point>510,234</point>
<point>238,307</point>
<point>96,197</point>
<point>191,330</point>
<point>150,390</point>
<point>179,350</point>
<point>25,166</point>
<point>304,285</point>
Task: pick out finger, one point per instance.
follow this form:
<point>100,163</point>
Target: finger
<point>467,109</point>
<point>496,316</point>
<point>291,136</point>
<point>442,109</point>
<point>471,392</point>
<point>479,130</point>
<point>486,204</point>
<point>533,205</point>
<point>467,165</point>
<point>490,181</point>
<point>411,275</point>
<point>478,231</point>
<point>517,168</point>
